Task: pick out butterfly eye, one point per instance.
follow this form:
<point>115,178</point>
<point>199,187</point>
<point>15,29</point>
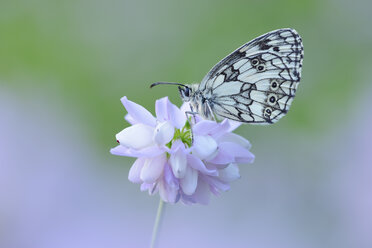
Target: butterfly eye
<point>187,91</point>
<point>261,67</point>
<point>271,99</point>
<point>274,85</point>
<point>255,62</point>
<point>267,112</point>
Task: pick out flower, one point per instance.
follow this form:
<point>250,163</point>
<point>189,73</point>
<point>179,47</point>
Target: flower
<point>182,162</point>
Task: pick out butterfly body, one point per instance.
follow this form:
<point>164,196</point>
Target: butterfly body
<point>255,84</point>
<point>200,102</point>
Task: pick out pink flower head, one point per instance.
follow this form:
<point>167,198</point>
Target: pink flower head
<point>177,163</point>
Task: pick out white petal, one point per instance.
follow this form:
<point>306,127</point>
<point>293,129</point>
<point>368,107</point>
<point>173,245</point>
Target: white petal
<point>178,163</point>
<point>230,173</point>
<point>137,136</point>
<point>190,181</point>
<point>163,133</point>
<point>204,147</point>
<point>153,168</point>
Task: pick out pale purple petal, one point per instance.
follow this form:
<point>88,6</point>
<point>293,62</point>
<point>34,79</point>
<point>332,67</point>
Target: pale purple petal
<point>248,159</point>
<point>178,161</point>
<point>207,127</point>
<point>202,193</point>
<point>169,177</point>
<point>222,157</point>
<point>177,144</point>
<point>166,111</point>
<point>204,147</point>
<point>153,168</point>
<point>163,133</point>
<point>176,116</point>
<point>135,171</point>
<point>222,128</point>
<point>161,109</point>
<point>241,154</point>
<point>152,188</point>
<point>234,138</point>
<point>233,125</point>
<point>138,113</point>
<point>137,136</point>
<point>169,186</point>
<point>130,119</point>
<point>128,152</point>
<point>190,181</point>
<point>230,173</point>
<point>216,183</point>
<point>147,186</point>
<point>204,127</point>
<point>197,164</point>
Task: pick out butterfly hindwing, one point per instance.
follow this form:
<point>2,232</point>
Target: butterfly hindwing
<point>257,82</point>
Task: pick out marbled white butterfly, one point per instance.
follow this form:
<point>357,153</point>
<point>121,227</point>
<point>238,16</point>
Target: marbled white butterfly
<point>255,84</point>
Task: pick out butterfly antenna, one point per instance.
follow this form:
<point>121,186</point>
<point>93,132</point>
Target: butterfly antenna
<point>157,83</point>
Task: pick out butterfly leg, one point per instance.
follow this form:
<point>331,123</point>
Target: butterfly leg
<point>193,113</point>
<point>210,111</point>
<point>190,122</point>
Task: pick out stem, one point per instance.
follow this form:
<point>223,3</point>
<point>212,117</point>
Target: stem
<point>158,219</point>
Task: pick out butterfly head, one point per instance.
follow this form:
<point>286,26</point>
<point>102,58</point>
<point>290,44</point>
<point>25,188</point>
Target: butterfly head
<point>186,91</point>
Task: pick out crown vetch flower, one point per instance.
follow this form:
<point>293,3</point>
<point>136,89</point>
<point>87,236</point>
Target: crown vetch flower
<point>180,164</point>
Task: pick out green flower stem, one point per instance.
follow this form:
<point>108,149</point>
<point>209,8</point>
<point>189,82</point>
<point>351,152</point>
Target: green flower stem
<point>158,219</point>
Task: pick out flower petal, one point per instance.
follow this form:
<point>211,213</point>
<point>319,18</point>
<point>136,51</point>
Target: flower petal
<point>169,186</point>
<point>161,109</point>
<point>138,113</point>
<point>217,184</point>
<point>135,171</point>
<point>153,168</point>
<point>230,173</point>
<point>222,157</point>
<point>234,138</point>
<point>167,111</point>
<point>129,152</point>
<point>241,154</point>
<point>137,136</point>
<point>163,133</point>
<point>204,127</point>
<point>146,186</point>
<point>221,129</point>
<point>130,119</point>
<point>233,125</point>
<point>201,195</point>
<point>197,164</point>
<point>204,147</point>
<point>151,187</point>
<point>178,161</point>
<point>190,181</point>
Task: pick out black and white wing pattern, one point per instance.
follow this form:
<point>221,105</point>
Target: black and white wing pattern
<point>257,82</point>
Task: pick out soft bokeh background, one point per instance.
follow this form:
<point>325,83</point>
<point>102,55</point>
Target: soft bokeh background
<point>64,65</point>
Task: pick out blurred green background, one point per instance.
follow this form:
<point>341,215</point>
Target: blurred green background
<point>64,65</point>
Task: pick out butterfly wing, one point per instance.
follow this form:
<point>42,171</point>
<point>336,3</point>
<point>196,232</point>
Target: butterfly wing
<point>258,81</point>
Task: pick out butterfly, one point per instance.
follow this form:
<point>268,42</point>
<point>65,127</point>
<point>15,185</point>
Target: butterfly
<point>254,84</point>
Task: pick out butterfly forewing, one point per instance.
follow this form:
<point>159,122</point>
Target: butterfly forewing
<point>257,82</point>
